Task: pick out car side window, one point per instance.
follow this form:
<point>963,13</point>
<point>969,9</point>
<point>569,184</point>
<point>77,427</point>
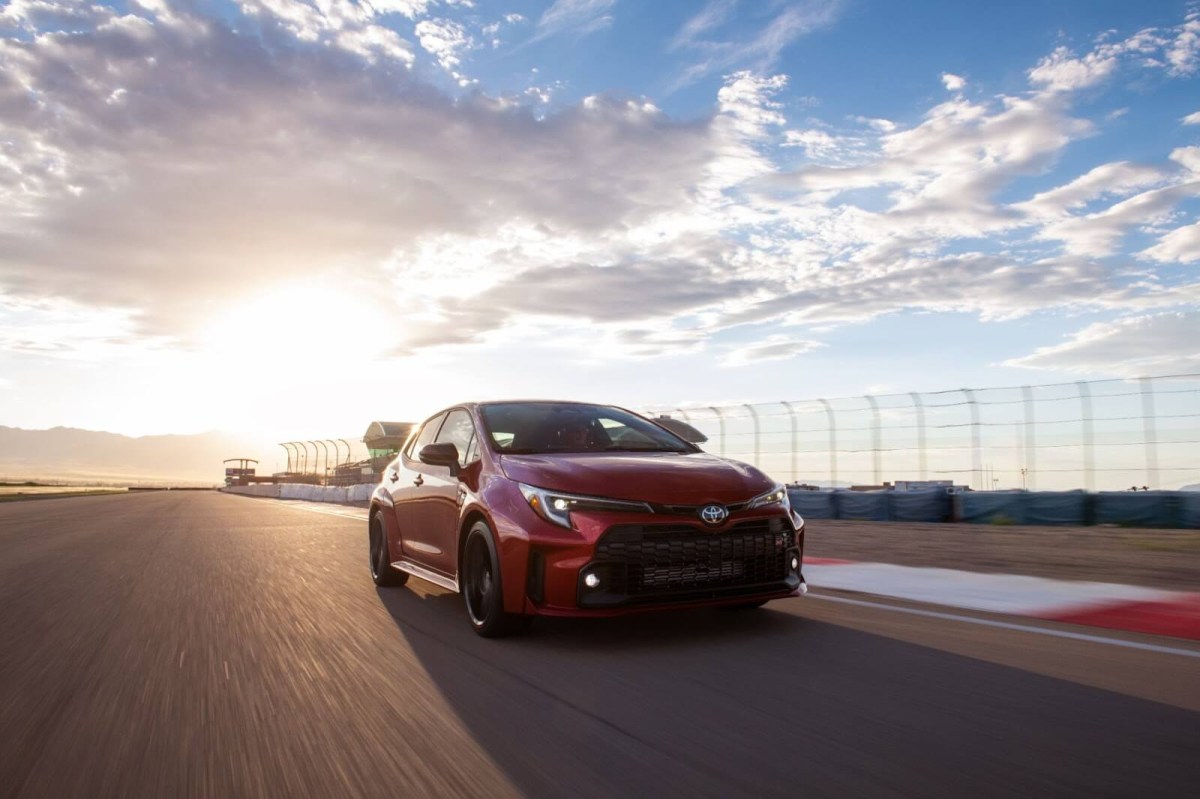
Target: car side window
<point>459,431</point>
<point>426,436</point>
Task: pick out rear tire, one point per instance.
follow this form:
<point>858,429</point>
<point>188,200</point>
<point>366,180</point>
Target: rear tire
<point>482,588</point>
<point>381,557</point>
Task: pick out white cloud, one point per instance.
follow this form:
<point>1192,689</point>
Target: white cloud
<point>576,17</point>
<point>816,143</point>
<point>952,82</point>
<point>1062,71</point>
<point>189,164</point>
<point>1181,245</point>
<point>771,348</point>
<point>1099,233</point>
<point>445,40</point>
<point>409,8</point>
<point>344,24</point>
<point>1167,343</point>
<point>1117,179</point>
<point>1191,119</point>
<point>712,16</point>
<point>1183,54</point>
<point>758,52</point>
<point>881,125</point>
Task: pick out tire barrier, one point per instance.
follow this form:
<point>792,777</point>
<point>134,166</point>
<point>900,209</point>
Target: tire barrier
<point>1157,509</point>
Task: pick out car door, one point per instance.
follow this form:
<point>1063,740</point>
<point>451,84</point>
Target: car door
<point>405,480</point>
<point>441,496</point>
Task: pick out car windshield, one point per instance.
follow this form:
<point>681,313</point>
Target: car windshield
<point>537,427</point>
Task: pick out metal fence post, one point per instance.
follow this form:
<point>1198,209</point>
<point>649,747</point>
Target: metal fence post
<point>876,440</point>
<point>337,456</point>
<point>832,443</point>
<point>919,407</point>
<point>795,441</point>
<point>285,446</point>
<point>1085,407</point>
<point>1030,464</point>
<point>757,440</point>
<point>326,450</point>
<point>721,422</point>
<point>1149,427</point>
<point>976,444</point>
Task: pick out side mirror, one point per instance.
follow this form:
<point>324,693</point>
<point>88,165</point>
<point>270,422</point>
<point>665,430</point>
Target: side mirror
<point>445,454</point>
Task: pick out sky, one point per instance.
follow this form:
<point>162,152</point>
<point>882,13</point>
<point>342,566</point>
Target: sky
<point>292,217</point>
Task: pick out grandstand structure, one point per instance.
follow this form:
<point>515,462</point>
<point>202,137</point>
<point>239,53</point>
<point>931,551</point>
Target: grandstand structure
<point>322,462</point>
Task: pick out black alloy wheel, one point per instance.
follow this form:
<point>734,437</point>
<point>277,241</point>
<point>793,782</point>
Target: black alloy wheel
<point>481,586</point>
<point>381,559</point>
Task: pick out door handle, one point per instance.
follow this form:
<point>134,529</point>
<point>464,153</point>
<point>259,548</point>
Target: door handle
<point>420,481</point>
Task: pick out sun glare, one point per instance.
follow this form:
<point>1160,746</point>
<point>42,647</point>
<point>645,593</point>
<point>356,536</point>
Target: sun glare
<point>299,325</point>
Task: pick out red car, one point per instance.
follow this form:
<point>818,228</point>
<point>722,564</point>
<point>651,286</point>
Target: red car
<point>570,509</point>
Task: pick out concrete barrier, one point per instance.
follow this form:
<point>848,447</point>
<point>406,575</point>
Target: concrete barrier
<point>259,490</point>
<point>309,493</point>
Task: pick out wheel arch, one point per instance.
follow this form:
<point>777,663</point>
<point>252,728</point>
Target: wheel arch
<point>468,521</point>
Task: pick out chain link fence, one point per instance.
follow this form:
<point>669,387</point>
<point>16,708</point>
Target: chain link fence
<point>1095,435</point>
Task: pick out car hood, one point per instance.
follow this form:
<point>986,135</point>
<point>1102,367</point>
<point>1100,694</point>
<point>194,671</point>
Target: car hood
<point>670,478</point>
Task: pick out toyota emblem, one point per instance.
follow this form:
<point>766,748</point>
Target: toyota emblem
<point>713,514</point>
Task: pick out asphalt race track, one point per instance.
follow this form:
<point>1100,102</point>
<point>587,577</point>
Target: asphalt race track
<point>201,644</point>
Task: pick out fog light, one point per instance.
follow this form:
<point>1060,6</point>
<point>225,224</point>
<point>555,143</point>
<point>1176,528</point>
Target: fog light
<point>795,563</point>
<point>591,581</point>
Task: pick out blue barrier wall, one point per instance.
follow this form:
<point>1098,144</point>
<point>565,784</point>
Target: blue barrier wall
<point>1163,509</point>
<point>1136,508</point>
<point>932,505</point>
<point>1189,509</point>
<point>813,504</point>
<point>1056,507</point>
<point>870,506</point>
<point>987,507</point>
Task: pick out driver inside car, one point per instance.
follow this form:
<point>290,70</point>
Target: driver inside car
<point>574,435</point>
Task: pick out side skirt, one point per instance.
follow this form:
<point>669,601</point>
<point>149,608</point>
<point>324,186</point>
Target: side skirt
<point>448,583</point>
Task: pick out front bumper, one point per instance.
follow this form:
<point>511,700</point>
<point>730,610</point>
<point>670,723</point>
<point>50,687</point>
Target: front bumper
<point>637,565</point>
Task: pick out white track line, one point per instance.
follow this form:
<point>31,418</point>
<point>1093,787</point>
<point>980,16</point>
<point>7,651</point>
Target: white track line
<point>933,614</point>
<point>360,515</point>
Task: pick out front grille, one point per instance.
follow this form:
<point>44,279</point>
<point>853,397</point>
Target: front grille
<point>645,561</point>
<point>694,510</point>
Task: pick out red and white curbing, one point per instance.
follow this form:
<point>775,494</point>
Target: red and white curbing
<point>1110,605</point>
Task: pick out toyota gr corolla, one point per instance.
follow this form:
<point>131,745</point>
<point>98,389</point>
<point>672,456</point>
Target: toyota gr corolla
<point>569,509</point>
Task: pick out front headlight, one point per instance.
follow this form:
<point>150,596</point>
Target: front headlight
<point>555,506</point>
<point>776,496</point>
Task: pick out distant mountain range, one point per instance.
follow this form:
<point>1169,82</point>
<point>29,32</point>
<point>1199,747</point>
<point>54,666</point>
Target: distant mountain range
<point>79,456</point>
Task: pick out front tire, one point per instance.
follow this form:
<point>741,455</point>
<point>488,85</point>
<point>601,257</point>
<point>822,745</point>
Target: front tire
<point>381,557</point>
<point>482,588</point>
